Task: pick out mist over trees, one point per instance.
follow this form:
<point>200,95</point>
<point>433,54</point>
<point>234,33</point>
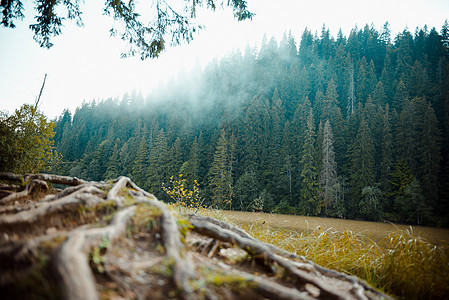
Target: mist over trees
<point>350,126</point>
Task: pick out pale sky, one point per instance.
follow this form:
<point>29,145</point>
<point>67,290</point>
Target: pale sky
<point>85,64</point>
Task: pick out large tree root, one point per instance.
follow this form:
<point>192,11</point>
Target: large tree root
<point>114,240</point>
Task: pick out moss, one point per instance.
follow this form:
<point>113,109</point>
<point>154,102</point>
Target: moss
<point>222,279</point>
<point>49,245</point>
<point>106,207</point>
<point>184,226</point>
<point>165,268</point>
<point>146,217</point>
<point>96,255</point>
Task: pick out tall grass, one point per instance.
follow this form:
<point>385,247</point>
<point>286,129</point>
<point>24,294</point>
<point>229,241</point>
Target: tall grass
<point>402,265</point>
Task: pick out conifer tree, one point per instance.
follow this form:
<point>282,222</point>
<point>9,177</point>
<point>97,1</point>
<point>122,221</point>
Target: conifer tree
<point>400,98</point>
<point>286,180</point>
<point>328,175</point>
<point>362,170</point>
<point>256,134</point>
<point>274,165</point>
<point>139,169</point>
<point>378,95</point>
<point>386,164</point>
<point>429,153</point>
<point>361,81</point>
<point>309,202</point>
<point>351,101</point>
<point>387,77</point>
<point>411,206</point>
<point>157,172</point>
<point>406,135</point>
<point>222,171</point>
<point>175,158</point>
<point>191,167</point>
<point>332,112</point>
<point>247,190</point>
<point>112,167</point>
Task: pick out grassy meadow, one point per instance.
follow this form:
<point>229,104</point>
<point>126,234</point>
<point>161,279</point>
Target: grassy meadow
<point>403,261</point>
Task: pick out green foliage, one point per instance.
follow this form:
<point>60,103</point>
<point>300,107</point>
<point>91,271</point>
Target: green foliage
<point>309,204</point>
<point>146,36</point>
<point>371,203</point>
<point>26,141</point>
<point>362,171</point>
<point>411,206</point>
<point>221,172</point>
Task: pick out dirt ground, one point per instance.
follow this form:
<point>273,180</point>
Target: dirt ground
<point>377,231</point>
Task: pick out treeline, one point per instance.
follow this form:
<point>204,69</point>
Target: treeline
<point>351,127</point>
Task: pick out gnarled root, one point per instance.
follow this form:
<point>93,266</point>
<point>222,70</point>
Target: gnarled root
<point>113,239</point>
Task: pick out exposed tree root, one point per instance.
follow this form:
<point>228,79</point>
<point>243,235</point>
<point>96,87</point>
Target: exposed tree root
<point>104,240</point>
<point>34,185</point>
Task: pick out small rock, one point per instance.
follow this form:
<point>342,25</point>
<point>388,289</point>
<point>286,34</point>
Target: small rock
<point>50,230</point>
<point>234,255</point>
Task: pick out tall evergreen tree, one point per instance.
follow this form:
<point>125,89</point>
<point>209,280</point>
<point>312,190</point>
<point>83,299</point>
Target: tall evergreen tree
<point>139,169</point>
<point>350,106</point>
<point>386,164</point>
<point>157,172</point>
<point>112,167</point>
<point>429,153</point>
<point>362,170</point>
<point>328,175</point>
<point>191,168</point>
<point>309,201</point>
<point>222,170</point>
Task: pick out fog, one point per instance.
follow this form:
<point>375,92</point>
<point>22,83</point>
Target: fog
<point>85,63</point>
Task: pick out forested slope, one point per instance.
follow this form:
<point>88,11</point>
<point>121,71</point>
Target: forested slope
<point>350,126</point>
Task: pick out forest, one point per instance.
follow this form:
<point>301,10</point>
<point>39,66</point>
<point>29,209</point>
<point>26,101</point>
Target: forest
<point>352,126</point>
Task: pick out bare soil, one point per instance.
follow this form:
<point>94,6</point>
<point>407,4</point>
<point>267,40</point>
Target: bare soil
<point>377,231</point>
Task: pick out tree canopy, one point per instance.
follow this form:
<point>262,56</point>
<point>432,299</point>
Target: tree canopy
<point>26,141</point>
<point>169,22</point>
<point>320,130</point>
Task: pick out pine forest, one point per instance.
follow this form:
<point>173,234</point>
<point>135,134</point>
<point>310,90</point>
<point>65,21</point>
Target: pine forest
<point>354,126</point>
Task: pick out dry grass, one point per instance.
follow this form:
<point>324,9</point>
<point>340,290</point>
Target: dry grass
<point>397,261</point>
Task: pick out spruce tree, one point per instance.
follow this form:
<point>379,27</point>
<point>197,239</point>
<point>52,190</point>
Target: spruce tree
<point>274,164</point>
<point>222,171</point>
<point>351,99</point>
<point>362,167</point>
<point>190,169</point>
<point>388,78</point>
<point>406,135</point>
<point>139,169</point>
<point>112,167</point>
<point>429,153</point>
<point>328,175</point>
<point>157,172</point>
<point>175,158</point>
<point>386,164</point>
<point>309,201</point>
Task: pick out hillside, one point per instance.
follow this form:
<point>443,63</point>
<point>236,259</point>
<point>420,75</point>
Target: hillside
<point>352,127</point>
